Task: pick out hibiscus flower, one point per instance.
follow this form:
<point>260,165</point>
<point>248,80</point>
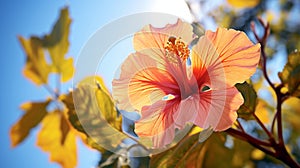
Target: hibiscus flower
<point>171,83</point>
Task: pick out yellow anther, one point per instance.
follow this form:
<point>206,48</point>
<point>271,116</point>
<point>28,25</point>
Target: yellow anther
<point>178,47</point>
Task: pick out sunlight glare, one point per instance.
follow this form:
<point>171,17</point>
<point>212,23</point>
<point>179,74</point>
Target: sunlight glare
<point>174,7</point>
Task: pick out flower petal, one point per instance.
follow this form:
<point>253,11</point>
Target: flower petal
<point>157,123</point>
<point>237,53</point>
<point>121,85</point>
<point>145,80</point>
<point>151,37</point>
<point>187,111</point>
<point>141,83</point>
<point>218,108</point>
<point>207,67</point>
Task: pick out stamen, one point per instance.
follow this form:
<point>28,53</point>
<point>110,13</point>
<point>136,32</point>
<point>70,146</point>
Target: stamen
<point>178,47</point>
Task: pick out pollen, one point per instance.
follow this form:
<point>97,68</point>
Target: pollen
<point>178,47</point>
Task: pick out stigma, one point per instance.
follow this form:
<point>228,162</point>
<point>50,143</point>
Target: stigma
<point>178,47</point>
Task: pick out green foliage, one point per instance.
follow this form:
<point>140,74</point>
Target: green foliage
<point>211,153</point>
<point>290,76</point>
<point>248,108</point>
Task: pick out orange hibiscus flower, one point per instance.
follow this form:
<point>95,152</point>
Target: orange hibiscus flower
<point>170,84</point>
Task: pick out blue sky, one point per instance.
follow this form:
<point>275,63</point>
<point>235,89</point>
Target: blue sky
<point>36,17</point>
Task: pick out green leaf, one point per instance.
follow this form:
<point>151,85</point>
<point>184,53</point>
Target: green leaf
<point>36,68</point>
<point>190,153</point>
<point>211,153</point>
<point>241,154</point>
<point>250,100</point>
<point>57,43</point>
<point>290,76</point>
<point>172,156</point>
<point>34,114</point>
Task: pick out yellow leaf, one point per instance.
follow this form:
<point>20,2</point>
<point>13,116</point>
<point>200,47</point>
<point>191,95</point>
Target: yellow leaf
<point>291,113</point>
<point>71,113</point>
<point>73,119</point>
<point>96,82</point>
<point>243,3</point>
<point>57,44</point>
<point>67,69</point>
<point>34,113</point>
<point>257,154</point>
<point>50,140</point>
<point>95,110</point>
<point>36,68</point>
<point>262,111</point>
<point>104,100</point>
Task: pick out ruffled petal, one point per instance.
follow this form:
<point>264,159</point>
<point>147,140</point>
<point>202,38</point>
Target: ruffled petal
<point>157,123</point>
<point>234,100</point>
<point>237,53</point>
<point>218,108</point>
<point>187,111</point>
<point>141,83</point>
<point>207,67</point>
<point>151,37</point>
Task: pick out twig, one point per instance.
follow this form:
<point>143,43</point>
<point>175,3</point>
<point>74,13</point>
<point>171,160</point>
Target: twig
<point>51,91</point>
<point>273,123</point>
<point>58,84</point>
<point>262,42</point>
<point>264,127</point>
<point>240,125</point>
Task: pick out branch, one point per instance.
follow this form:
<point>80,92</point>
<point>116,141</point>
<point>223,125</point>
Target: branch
<point>279,117</point>
<point>280,149</point>
<point>246,137</point>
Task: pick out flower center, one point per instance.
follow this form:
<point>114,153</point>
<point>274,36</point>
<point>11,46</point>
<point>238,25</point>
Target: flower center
<point>177,46</point>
